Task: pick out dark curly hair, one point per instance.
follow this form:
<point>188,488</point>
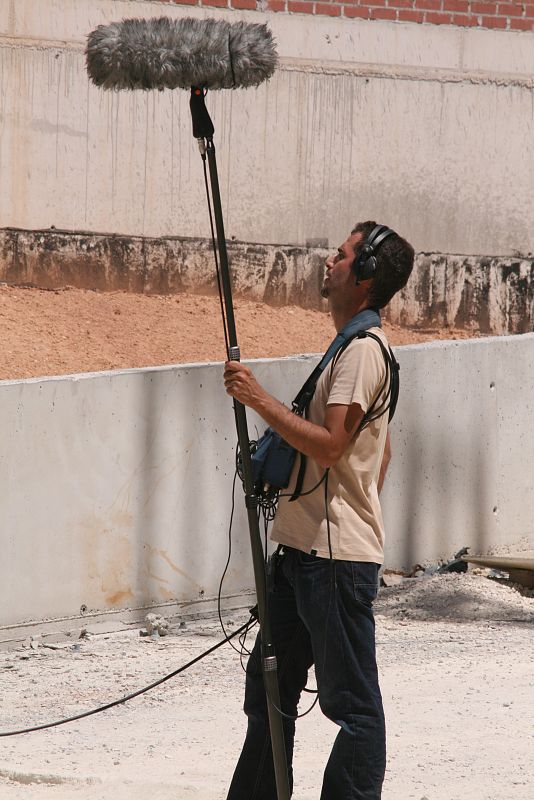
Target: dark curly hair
<point>394,264</point>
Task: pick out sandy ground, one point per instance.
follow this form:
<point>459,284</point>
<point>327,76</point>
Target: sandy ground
<point>455,656</point>
<point>74,330</point>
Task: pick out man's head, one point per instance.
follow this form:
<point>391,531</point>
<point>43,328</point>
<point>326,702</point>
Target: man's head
<point>394,263</point>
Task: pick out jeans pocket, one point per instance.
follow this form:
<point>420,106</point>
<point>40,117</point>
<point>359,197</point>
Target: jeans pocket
<point>365,582</point>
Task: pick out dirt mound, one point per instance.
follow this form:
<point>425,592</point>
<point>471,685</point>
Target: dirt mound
<point>56,332</point>
<point>459,597</point>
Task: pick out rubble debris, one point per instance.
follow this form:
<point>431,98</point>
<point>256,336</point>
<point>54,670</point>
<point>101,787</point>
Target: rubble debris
<point>392,577</point>
<point>496,574</point>
<point>463,597</point>
<point>515,569</point>
<point>156,625</point>
<point>456,564</point>
<point>395,577</point>
<point>520,570</point>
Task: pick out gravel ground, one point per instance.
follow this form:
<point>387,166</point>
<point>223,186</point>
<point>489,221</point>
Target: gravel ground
<point>455,655</point>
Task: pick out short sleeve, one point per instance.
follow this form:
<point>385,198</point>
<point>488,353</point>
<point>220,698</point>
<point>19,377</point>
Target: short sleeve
<point>358,374</point>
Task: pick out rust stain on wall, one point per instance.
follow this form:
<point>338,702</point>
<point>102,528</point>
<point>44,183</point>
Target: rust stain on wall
<point>175,568</point>
<point>107,560</point>
<point>119,598</point>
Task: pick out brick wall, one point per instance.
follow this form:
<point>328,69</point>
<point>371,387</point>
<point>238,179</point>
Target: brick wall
<point>512,16</point>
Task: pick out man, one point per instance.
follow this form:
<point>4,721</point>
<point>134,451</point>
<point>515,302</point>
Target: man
<point>332,540</point>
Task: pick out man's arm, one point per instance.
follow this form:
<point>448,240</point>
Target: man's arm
<point>324,443</point>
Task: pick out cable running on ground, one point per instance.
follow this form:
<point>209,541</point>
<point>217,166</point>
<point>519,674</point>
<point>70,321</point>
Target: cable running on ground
<point>133,694</point>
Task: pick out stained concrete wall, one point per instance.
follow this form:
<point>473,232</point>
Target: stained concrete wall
<point>115,488</point>
<point>425,127</point>
<point>50,259</point>
<point>491,295</point>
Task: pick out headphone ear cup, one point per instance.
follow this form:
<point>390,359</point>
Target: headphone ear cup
<point>356,269</point>
<point>365,267</point>
<point>368,268</point>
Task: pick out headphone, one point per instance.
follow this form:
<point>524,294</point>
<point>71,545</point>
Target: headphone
<point>364,265</point>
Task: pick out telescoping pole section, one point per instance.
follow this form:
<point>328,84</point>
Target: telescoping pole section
<point>203,131</point>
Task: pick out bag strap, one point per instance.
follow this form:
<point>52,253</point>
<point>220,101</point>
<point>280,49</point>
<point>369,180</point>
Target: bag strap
<point>389,404</point>
<point>368,318</point>
<point>391,380</point>
<point>300,478</point>
<point>393,369</point>
<point>357,326</point>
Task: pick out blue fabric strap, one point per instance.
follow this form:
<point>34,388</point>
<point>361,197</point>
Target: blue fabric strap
<point>369,318</point>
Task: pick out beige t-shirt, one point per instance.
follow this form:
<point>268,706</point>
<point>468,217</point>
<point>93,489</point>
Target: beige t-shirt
<point>356,525</point>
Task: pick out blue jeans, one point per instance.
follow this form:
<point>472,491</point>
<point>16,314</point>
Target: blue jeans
<point>321,613</point>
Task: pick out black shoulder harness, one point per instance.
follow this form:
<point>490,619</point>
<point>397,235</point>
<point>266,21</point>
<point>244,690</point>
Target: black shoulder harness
<point>375,410</point>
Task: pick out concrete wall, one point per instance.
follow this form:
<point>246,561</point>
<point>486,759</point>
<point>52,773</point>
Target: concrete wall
<point>492,295</point>
<point>425,127</point>
<point>115,487</point>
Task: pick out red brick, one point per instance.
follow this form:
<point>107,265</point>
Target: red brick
<point>510,9</point>
<point>434,5</point>
<point>219,3</point>
<point>250,4</point>
<point>438,19</point>
<point>529,10</point>
<point>483,8</point>
<point>356,11</point>
<point>494,22</point>
<point>329,9</point>
<point>300,8</point>
<point>465,20</point>
<point>184,2</point>
<point>409,15</point>
<point>521,24</point>
<point>461,6</point>
<point>383,13</point>
<point>276,5</point>
<point>400,3</point>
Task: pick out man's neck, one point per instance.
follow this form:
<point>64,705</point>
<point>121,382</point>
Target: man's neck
<point>340,316</point>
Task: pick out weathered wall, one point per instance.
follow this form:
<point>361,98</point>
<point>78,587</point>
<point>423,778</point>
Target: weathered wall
<point>115,487</point>
<point>49,259</point>
<point>425,127</point>
<point>492,295</point>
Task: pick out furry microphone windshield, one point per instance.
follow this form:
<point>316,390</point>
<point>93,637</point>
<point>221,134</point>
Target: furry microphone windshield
<point>169,54</point>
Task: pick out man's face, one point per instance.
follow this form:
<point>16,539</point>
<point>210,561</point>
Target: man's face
<point>339,276</point>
